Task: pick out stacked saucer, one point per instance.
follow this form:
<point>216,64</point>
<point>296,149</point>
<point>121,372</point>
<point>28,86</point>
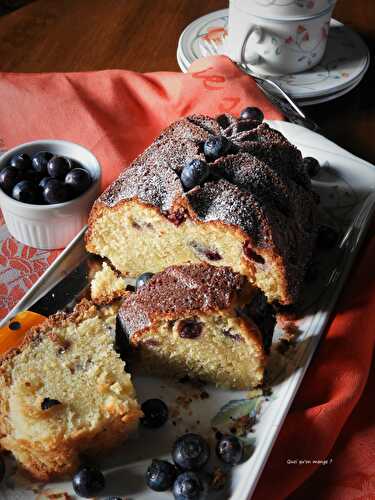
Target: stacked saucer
<point>342,68</point>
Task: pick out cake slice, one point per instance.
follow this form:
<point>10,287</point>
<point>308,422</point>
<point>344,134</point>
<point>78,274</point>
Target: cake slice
<point>65,392</point>
<point>255,212</point>
<point>107,285</point>
<point>198,321</point>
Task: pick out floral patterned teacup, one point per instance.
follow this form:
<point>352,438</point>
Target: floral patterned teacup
<point>290,8</point>
<point>277,46</point>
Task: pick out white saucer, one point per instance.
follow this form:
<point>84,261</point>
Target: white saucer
<point>342,68</point>
<point>330,97</point>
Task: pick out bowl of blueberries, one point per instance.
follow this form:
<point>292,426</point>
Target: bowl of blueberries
<point>47,188</point>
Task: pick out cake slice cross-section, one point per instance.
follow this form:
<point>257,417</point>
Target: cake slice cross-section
<point>64,392</point>
<point>198,321</point>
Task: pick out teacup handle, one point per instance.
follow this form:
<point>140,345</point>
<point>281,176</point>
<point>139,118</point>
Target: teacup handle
<point>249,54</point>
<point>250,47</point>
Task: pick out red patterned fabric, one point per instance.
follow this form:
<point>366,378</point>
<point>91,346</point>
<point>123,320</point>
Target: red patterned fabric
<point>20,267</point>
<point>116,114</point>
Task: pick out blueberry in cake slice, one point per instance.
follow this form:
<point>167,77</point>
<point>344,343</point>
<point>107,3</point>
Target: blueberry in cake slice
<point>197,320</point>
<point>227,191</point>
<point>65,392</point>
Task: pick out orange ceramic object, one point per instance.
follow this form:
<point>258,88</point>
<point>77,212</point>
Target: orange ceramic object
<point>12,334</point>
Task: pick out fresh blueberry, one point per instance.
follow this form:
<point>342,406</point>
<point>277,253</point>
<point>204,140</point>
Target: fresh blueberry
<point>216,146</point>
<point>142,279</point>
<point>155,413</point>
<point>48,403</point>
<point>58,167</point>
<point>195,172</point>
<point>327,237</point>
<point>190,452</point>
<point>26,191</point>
<point>40,161</point>
<point>190,328</point>
<point>31,175</point>
<point>2,468</point>
<point>55,191</point>
<point>88,482</point>
<point>9,176</point>
<point>160,475</point>
<point>78,179</point>
<point>230,450</point>
<point>22,161</point>
<point>311,165</point>
<point>250,113</point>
<point>43,183</point>
<point>189,486</point>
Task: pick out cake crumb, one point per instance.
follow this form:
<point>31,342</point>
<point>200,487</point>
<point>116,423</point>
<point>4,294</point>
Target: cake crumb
<point>184,401</point>
<point>288,339</point>
<point>62,495</point>
<point>291,330</point>
<point>242,425</point>
<point>174,412</point>
<point>218,479</point>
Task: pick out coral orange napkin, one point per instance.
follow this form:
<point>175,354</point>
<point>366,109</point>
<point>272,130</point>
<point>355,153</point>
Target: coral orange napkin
<point>117,114</point>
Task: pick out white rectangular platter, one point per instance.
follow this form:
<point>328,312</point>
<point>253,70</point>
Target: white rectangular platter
<point>346,185</point>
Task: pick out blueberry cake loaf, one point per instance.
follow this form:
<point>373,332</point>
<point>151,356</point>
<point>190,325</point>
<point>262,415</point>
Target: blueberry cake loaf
<point>197,320</point>
<point>227,191</point>
<point>65,392</point>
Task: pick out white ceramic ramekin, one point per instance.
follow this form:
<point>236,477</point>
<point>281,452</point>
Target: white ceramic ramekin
<point>50,226</point>
<point>284,8</point>
<point>277,46</point>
